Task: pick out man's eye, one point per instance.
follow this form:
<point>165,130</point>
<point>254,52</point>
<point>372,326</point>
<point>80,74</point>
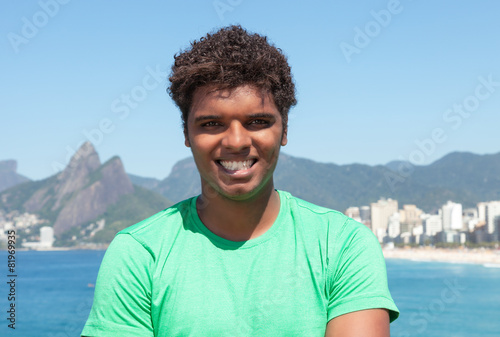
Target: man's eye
<point>211,123</point>
<point>259,121</point>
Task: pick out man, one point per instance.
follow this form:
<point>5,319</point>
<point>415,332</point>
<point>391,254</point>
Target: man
<point>241,259</point>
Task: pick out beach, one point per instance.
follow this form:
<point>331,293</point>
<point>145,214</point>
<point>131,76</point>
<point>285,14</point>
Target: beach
<point>487,257</point>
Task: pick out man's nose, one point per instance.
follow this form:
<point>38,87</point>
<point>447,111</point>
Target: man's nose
<point>236,137</point>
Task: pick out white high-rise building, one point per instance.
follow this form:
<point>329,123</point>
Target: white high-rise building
<point>417,233</point>
<point>394,227</point>
<point>432,224</point>
<point>380,213</point>
<point>470,218</point>
<point>492,216</point>
<point>46,236</point>
<point>481,211</point>
<point>452,216</point>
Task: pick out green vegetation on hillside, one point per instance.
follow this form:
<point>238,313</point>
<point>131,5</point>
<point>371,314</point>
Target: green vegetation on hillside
<point>15,197</point>
<point>130,209</point>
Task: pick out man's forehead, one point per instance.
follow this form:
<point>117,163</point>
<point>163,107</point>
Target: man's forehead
<point>226,91</point>
<point>213,92</point>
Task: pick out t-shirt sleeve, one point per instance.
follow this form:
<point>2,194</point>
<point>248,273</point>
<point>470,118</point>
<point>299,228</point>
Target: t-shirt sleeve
<point>122,298</point>
<point>357,276</point>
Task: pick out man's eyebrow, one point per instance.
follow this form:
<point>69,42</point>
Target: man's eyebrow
<point>262,115</point>
<point>206,117</point>
<point>218,117</point>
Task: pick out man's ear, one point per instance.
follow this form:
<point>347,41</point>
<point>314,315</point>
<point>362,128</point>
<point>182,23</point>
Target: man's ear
<point>284,139</point>
<point>186,138</point>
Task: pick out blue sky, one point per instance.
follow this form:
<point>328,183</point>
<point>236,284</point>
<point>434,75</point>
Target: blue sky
<point>376,80</point>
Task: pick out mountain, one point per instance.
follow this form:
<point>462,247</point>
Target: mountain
<point>9,176</point>
<point>331,185</point>
<point>395,165</point>
<point>461,177</point>
<point>149,183</point>
<point>85,191</point>
<point>182,183</point>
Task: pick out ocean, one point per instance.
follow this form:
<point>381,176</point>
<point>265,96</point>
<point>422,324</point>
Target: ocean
<point>54,293</point>
<point>444,299</point>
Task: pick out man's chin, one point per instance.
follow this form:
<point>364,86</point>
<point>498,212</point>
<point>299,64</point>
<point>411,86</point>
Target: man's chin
<point>238,193</point>
<point>248,192</point>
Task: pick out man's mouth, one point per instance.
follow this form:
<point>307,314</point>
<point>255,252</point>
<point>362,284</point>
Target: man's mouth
<point>234,165</point>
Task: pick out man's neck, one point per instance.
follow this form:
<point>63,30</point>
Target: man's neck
<point>237,220</point>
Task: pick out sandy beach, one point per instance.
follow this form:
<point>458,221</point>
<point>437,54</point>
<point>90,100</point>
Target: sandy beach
<point>490,258</point>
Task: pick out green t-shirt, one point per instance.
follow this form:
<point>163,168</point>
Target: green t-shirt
<point>170,276</point>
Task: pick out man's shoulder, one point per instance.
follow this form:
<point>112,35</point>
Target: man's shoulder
<point>315,215</point>
<point>161,223</point>
<point>300,205</point>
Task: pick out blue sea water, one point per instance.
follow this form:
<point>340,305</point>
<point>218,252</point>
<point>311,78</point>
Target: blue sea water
<point>444,299</point>
<point>53,296</point>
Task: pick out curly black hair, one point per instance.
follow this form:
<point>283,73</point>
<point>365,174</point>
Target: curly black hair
<point>229,58</point>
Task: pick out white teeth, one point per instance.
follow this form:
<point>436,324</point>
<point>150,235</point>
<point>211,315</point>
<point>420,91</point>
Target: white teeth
<point>236,165</point>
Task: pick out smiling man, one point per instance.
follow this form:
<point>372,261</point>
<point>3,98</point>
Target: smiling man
<point>242,258</point>
<point>235,136</point>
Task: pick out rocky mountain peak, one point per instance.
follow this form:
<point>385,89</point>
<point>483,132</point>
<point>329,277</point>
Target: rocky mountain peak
<point>101,188</point>
<point>82,191</point>
<point>77,174</point>
<point>8,174</point>
<point>8,166</point>
<point>84,161</point>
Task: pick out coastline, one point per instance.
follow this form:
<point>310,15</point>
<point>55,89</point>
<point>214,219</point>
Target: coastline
<point>57,249</point>
<point>488,257</point>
